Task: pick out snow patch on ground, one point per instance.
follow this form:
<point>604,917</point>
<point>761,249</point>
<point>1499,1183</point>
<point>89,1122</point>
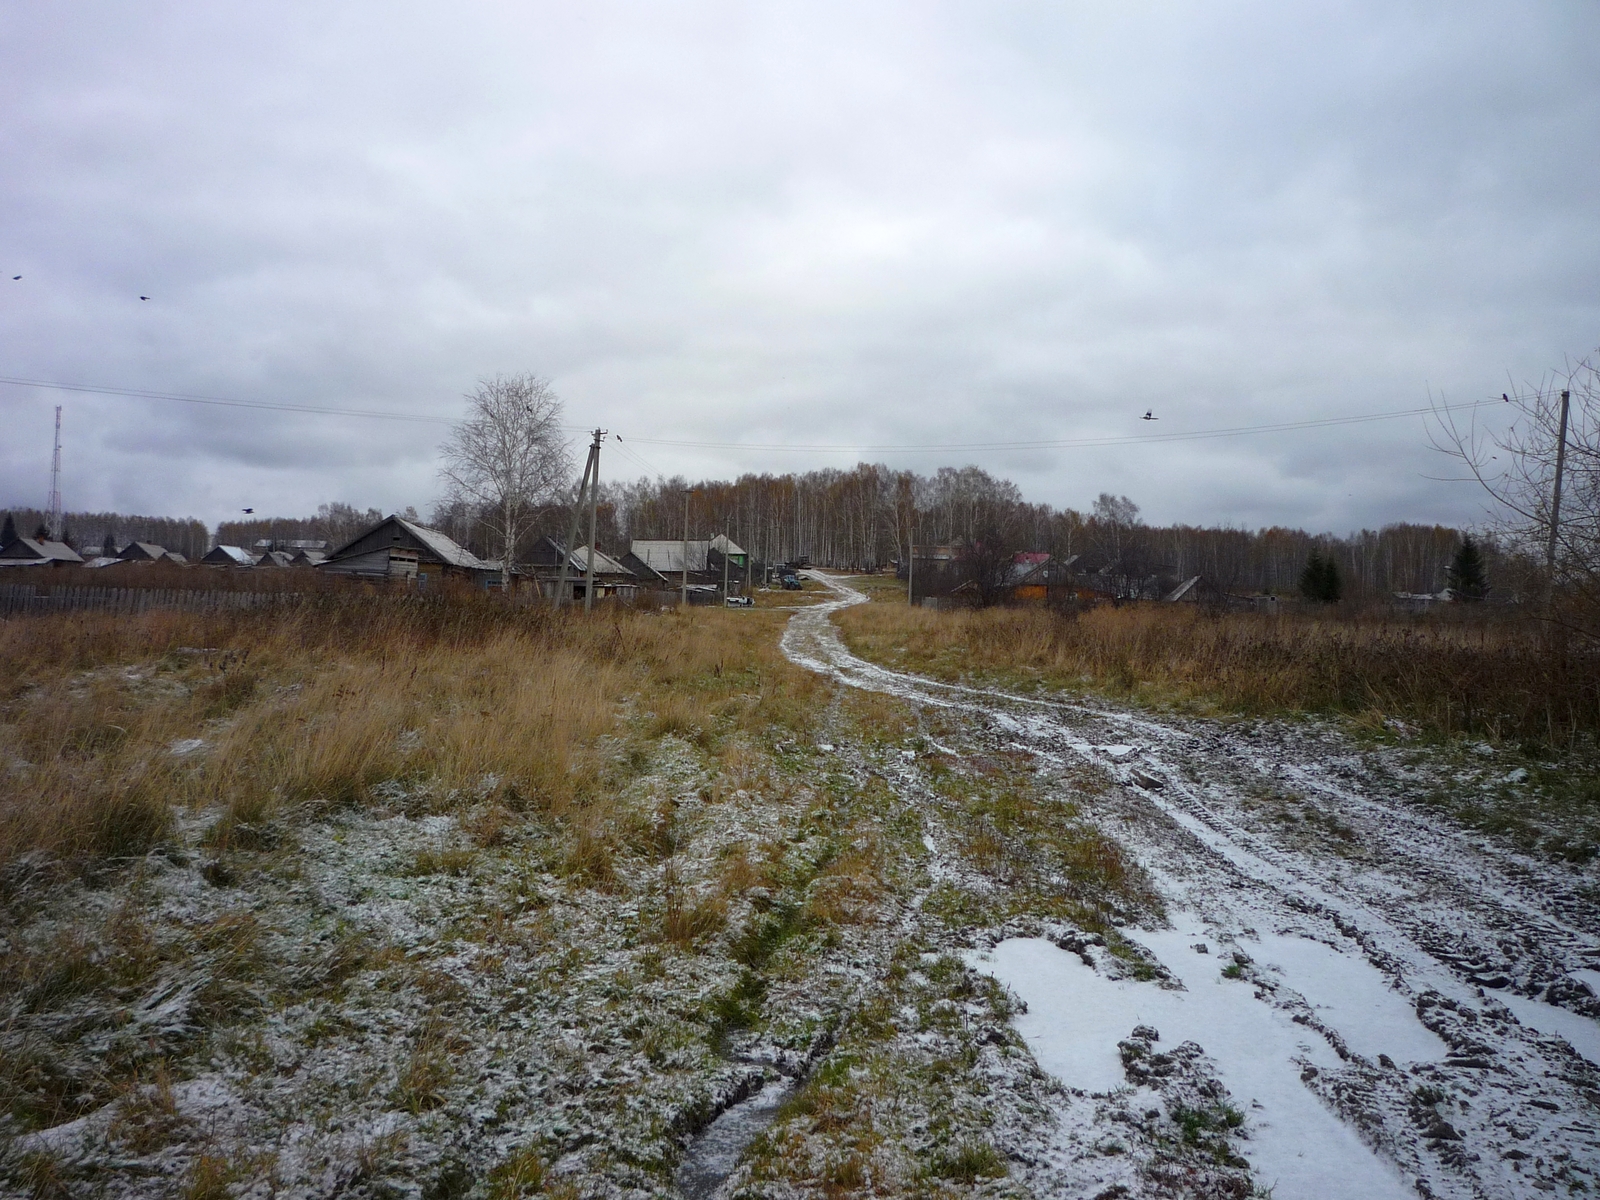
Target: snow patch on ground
<point>1076,1016</point>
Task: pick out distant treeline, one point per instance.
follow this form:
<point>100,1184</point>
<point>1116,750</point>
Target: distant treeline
<point>87,532</point>
<point>868,518</point>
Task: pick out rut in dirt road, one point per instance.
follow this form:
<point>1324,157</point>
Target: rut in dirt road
<point>1398,1007</point>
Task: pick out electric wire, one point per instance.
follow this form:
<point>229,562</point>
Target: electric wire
<point>776,447</point>
<point>1068,443</point>
<point>228,402</point>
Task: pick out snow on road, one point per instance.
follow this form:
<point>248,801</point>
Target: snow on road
<point>1397,1005</point>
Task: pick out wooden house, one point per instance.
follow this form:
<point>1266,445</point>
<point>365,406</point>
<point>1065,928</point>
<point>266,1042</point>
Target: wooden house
<point>34,552</point>
<point>228,556</point>
<point>142,552</point>
<point>396,548</point>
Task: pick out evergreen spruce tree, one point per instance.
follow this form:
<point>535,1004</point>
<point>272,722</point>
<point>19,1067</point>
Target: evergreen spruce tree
<point>42,534</point>
<point>1320,580</point>
<point>1465,574</point>
<point>1311,577</point>
<point>109,549</point>
<point>9,533</point>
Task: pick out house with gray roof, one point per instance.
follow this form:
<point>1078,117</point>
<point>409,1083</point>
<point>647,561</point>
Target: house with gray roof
<point>396,548</point>
<point>35,552</point>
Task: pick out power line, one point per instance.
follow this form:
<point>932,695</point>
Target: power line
<point>227,402</point>
<point>1068,443</point>
<point>774,447</point>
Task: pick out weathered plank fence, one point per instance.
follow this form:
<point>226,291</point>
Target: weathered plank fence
<point>17,599</point>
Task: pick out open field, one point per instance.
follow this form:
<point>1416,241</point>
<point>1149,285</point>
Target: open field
<point>376,896</point>
<point>380,897</point>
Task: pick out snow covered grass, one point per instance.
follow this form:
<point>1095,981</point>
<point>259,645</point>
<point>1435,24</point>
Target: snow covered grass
<point>480,901</point>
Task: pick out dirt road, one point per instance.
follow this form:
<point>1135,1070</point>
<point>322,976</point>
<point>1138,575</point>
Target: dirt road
<point>1392,1005</point>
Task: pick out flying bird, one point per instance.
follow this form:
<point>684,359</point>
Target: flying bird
<point>248,510</point>
<point>1149,415</point>
<point>144,297</point>
<point>16,277</point>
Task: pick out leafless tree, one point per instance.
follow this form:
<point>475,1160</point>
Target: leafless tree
<point>1516,467</point>
<point>508,457</point>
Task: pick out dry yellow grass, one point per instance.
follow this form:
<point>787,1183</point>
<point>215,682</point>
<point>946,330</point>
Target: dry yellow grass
<point>320,703</point>
<point>1484,677</point>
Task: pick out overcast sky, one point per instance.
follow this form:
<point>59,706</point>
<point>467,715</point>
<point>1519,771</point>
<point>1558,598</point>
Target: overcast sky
<point>838,224</point>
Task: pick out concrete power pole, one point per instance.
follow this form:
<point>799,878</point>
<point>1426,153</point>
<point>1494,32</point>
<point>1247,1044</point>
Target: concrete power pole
<point>55,484</point>
<point>683,601</point>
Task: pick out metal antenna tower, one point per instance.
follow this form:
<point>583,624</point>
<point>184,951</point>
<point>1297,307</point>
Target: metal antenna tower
<point>55,484</point>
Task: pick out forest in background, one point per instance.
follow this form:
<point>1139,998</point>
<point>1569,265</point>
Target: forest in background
<point>865,519</point>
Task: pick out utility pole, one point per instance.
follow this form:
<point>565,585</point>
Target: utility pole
<point>725,544</point>
<point>683,601</point>
<point>594,505</point>
<point>591,466</point>
<point>55,484</point>
<point>911,569</point>
<point>1555,496</point>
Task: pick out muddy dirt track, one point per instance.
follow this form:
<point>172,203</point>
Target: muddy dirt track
<point>1395,1006</point>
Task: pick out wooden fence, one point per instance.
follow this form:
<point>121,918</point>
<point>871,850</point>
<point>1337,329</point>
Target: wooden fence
<point>17,599</point>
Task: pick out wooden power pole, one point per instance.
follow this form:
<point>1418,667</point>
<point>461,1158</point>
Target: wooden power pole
<point>591,472</point>
<point>1555,495</point>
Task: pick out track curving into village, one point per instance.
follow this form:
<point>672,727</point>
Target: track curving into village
<point>1405,1006</point>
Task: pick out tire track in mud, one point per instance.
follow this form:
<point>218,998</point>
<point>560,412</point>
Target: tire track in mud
<point>1493,952</point>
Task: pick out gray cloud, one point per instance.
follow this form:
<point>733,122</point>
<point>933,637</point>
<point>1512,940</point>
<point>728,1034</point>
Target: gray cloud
<point>819,224</point>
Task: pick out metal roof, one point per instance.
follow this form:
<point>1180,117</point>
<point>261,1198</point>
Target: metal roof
<point>667,556</point>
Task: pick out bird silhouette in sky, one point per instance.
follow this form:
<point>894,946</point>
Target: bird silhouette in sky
<point>1505,397</point>
<point>144,297</point>
<point>16,277</point>
<point>1149,415</point>
<point>248,510</point>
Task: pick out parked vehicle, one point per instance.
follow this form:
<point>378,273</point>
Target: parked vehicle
<point>740,602</point>
<point>790,583</point>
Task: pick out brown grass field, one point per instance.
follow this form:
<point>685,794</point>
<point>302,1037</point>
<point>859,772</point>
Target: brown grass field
<point>1485,677</point>
<point>321,702</point>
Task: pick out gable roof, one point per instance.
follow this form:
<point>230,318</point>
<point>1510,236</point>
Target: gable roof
<point>604,564</point>
<point>666,556</point>
<point>236,555</point>
<point>443,546</point>
<point>138,551</point>
<point>31,550</point>
<point>437,544</point>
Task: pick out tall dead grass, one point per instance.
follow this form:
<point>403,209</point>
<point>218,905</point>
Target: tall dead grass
<point>1486,678</point>
<point>320,703</point>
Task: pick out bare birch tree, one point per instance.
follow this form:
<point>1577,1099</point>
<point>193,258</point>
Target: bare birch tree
<point>508,457</point>
<point>1517,468</point>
